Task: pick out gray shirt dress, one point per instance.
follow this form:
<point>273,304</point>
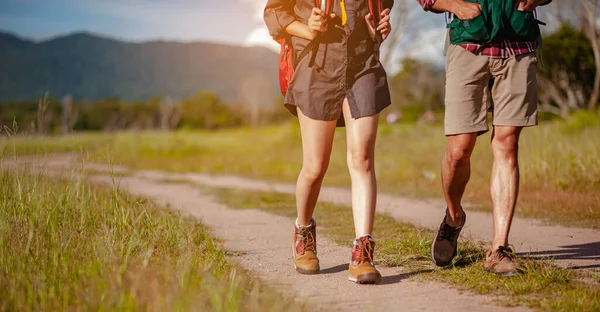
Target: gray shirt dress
<point>345,64</point>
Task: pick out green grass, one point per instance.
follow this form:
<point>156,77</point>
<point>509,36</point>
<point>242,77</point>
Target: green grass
<point>543,286</point>
<point>560,161</point>
<point>67,245</point>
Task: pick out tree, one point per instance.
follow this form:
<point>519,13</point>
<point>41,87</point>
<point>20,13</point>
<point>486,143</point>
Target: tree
<point>590,19</point>
<point>399,21</point>
<point>44,116</point>
<point>169,114</point>
<point>569,67</point>
<point>68,115</point>
<point>583,15</point>
<point>257,93</point>
<point>206,111</point>
<point>418,85</point>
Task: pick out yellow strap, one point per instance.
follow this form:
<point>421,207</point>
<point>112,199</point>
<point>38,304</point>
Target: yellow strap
<point>344,16</point>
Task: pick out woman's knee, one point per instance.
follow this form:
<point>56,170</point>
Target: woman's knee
<point>313,171</point>
<point>360,160</point>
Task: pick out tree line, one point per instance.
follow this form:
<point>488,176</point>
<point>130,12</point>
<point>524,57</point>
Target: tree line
<point>53,115</point>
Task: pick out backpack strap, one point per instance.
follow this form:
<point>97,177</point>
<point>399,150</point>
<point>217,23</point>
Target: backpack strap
<point>375,9</point>
<point>326,5</point>
<point>304,52</point>
<point>449,17</point>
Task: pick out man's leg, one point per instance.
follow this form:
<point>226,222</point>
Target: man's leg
<point>515,106</point>
<point>467,77</point>
<point>505,181</point>
<point>456,172</point>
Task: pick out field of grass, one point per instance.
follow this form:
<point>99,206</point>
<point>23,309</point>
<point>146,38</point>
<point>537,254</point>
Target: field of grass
<point>542,286</point>
<point>66,245</point>
<point>560,161</point>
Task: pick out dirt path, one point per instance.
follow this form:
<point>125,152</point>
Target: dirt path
<point>261,243</point>
<point>570,247</point>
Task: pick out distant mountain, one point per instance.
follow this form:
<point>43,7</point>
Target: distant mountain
<point>93,67</point>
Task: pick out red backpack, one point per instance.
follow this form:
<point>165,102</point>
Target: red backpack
<point>286,64</point>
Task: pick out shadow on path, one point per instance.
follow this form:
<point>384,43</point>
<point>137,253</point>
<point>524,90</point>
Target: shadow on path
<point>393,279</point>
<point>590,251</point>
<point>335,269</point>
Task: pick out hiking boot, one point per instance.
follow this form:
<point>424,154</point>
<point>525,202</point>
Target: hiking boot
<point>445,243</point>
<point>305,248</point>
<point>361,268</point>
<point>501,262</point>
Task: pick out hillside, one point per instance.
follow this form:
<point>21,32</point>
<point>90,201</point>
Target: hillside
<point>93,67</point>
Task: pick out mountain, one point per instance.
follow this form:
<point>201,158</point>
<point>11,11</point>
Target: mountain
<point>89,66</point>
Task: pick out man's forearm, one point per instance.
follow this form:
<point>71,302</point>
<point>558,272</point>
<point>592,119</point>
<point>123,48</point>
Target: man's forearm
<point>444,5</point>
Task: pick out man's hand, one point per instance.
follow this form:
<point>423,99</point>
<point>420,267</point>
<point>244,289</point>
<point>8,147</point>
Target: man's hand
<point>466,10</point>
<point>384,27</point>
<point>528,5</point>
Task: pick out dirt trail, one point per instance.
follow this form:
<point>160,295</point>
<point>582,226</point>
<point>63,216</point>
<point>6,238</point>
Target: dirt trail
<point>570,247</point>
<point>261,243</point>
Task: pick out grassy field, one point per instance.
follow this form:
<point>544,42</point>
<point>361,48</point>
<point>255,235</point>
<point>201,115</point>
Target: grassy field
<point>66,245</point>
<point>542,286</point>
<point>560,161</point>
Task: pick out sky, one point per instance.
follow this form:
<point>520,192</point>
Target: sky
<point>224,21</point>
<point>229,21</point>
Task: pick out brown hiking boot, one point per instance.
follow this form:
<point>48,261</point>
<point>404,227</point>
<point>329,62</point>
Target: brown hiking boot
<point>361,268</point>
<point>305,248</point>
<point>445,243</point>
<point>501,262</point>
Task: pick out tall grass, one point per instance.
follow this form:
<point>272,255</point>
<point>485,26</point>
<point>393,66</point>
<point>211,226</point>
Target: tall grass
<point>66,245</point>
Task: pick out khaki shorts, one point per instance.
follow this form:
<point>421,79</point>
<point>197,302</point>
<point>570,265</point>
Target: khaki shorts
<point>471,80</point>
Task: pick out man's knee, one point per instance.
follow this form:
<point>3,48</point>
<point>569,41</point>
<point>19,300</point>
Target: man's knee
<point>506,143</point>
<point>459,150</point>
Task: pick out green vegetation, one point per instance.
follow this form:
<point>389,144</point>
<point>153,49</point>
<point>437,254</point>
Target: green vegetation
<point>204,110</point>
<point>566,81</point>
<point>66,245</point>
<point>560,161</point>
<point>542,286</point>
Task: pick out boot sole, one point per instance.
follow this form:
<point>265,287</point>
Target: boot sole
<point>307,272</point>
<point>301,270</point>
<point>366,279</point>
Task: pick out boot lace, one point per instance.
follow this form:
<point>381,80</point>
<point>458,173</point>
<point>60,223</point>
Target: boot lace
<point>307,238</point>
<point>365,251</point>
<point>447,232</point>
<point>503,252</point>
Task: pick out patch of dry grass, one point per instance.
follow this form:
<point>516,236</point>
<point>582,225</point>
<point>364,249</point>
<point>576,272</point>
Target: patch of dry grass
<point>560,161</point>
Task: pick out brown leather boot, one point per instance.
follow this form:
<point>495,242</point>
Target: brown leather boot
<point>361,269</point>
<point>305,248</point>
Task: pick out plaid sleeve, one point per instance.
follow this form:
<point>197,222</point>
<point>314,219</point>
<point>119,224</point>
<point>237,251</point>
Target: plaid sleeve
<point>427,4</point>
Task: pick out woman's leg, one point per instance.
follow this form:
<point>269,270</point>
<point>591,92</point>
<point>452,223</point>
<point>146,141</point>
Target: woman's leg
<point>317,141</point>
<point>361,134</point>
